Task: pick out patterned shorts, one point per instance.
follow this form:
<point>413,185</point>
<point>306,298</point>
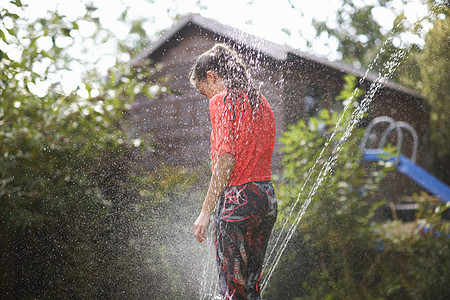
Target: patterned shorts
<point>245,217</point>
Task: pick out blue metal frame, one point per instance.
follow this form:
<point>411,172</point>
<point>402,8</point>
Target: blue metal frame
<point>413,171</point>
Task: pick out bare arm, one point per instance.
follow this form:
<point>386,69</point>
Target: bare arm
<point>222,172</point>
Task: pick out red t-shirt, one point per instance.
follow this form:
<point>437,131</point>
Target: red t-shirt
<point>249,138</point>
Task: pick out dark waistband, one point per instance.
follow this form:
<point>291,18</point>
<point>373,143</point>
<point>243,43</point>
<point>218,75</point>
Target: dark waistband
<point>256,182</point>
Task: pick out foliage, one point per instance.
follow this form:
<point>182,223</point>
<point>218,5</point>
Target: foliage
<point>70,194</point>
<point>363,42</point>
<point>359,35</point>
<point>338,251</point>
<point>420,250</point>
<point>434,62</point>
<point>424,69</point>
<point>137,38</point>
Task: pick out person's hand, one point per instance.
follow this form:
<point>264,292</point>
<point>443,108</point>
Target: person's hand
<point>200,226</point>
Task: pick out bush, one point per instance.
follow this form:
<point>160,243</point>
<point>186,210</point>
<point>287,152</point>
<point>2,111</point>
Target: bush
<point>71,198</point>
<point>338,251</point>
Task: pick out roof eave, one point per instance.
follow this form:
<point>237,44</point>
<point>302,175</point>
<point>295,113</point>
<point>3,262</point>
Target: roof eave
<point>268,48</point>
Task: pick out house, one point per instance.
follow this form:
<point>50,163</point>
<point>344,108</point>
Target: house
<point>296,84</point>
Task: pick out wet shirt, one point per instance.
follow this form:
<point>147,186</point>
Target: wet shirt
<point>249,137</point>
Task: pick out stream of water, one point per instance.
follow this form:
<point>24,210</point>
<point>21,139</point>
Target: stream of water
<point>327,167</point>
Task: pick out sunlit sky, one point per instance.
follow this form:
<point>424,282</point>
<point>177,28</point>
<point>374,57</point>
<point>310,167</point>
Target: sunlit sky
<point>268,19</point>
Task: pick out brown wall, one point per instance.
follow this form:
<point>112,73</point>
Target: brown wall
<point>300,74</point>
<point>179,121</point>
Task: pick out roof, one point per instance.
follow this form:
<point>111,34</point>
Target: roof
<point>273,50</point>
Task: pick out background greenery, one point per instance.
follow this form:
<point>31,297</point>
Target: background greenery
<point>76,212</point>
<point>338,250</point>
<point>425,69</point>
<point>80,220</point>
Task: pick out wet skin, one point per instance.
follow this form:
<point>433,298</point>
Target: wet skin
<point>224,167</point>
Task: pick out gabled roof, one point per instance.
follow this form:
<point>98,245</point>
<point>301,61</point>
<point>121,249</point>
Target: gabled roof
<point>273,50</point>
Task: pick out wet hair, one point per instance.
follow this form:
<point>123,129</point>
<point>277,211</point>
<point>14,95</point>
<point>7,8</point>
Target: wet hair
<point>224,61</point>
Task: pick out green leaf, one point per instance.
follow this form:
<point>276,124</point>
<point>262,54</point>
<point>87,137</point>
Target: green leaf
<point>75,26</point>
<point>2,35</point>
<point>324,114</point>
<point>11,31</point>
<point>14,16</point>
<point>65,31</point>
<point>17,3</point>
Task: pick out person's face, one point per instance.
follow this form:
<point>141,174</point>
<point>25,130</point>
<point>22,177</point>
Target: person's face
<point>212,85</point>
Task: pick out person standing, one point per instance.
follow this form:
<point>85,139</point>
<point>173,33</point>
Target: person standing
<point>242,140</point>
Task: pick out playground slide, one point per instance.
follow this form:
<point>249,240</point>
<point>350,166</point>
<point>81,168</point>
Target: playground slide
<point>413,171</point>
